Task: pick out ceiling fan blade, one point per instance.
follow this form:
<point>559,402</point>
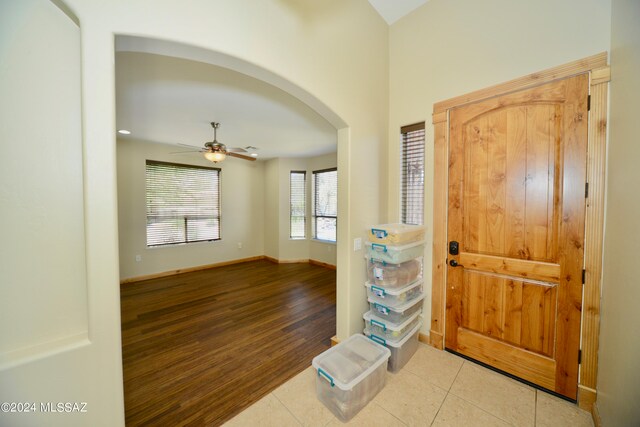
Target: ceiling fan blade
<point>241,156</point>
<point>187,145</point>
<point>236,150</point>
<point>182,152</point>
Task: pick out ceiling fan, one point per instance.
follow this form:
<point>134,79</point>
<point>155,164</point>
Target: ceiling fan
<point>215,151</point>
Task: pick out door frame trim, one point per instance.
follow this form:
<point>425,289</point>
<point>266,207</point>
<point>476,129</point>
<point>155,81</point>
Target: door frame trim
<point>600,75</point>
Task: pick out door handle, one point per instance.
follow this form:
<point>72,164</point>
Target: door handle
<point>454,263</point>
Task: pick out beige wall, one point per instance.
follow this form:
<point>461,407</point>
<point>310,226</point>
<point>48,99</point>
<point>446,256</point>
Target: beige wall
<point>242,202</point>
<point>618,373</point>
<point>313,48</point>
<point>277,177</point>
<point>272,208</point>
<point>43,292</point>
<point>46,321</point>
<point>447,48</point>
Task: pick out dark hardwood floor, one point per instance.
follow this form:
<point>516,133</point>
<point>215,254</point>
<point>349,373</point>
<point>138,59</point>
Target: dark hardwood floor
<point>200,347</point>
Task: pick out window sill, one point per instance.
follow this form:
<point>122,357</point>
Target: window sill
<point>174,245</point>
<point>328,242</point>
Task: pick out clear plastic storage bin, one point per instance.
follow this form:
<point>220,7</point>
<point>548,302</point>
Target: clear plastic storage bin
<point>396,234</point>
<point>389,275</point>
<point>398,314</point>
<point>390,331</point>
<point>401,351</point>
<point>350,374</point>
<point>394,296</point>
<point>394,254</point>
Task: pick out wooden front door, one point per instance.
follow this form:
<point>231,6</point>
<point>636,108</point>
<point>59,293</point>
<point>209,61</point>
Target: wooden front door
<point>516,205</point>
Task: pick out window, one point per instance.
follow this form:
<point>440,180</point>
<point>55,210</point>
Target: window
<point>412,181</point>
<point>297,204</point>
<point>183,203</point>
<point>325,204</point>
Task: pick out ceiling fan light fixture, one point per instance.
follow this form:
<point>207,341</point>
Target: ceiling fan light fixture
<point>215,156</point>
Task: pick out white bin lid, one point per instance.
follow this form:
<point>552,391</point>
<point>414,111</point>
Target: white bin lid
<point>396,228</point>
<point>394,291</point>
<point>370,318</point>
<point>383,247</point>
<point>399,308</point>
<point>392,343</point>
<point>390,264</point>
<point>351,361</point>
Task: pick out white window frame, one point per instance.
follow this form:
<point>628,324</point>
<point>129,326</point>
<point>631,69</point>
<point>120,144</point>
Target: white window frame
<point>178,209</point>
<point>316,215</point>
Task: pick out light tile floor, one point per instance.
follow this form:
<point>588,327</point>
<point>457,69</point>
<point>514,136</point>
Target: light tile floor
<point>435,388</point>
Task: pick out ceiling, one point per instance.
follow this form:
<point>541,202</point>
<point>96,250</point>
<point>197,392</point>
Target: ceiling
<point>392,10</point>
<point>171,100</point>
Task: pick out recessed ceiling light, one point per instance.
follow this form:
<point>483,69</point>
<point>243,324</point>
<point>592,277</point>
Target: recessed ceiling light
<point>124,132</point>
<point>254,154</point>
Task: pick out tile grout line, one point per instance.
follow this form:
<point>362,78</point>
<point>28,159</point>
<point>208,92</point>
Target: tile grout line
<point>447,393</point>
<point>535,410</point>
<point>374,403</point>
<point>473,404</point>
<point>428,382</point>
<point>439,408</point>
<point>285,407</point>
<point>456,377</point>
<point>408,372</point>
<point>482,409</point>
<point>423,378</point>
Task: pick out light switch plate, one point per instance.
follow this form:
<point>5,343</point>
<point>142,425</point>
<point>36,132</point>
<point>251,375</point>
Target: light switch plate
<point>357,244</point>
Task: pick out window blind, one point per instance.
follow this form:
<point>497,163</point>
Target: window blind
<point>412,181</point>
<point>325,204</point>
<point>183,203</point>
<point>297,204</point>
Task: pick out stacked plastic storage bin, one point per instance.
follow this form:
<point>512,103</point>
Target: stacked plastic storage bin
<point>394,289</point>
<point>350,375</point>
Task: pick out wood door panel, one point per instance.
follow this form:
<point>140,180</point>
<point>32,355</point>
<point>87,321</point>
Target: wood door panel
<point>516,146</point>
<point>550,93</point>
<point>538,318</point>
<point>543,271</point>
<point>517,166</point>
<point>512,208</point>
<point>541,187</point>
<point>514,311</point>
<point>493,322</point>
<point>472,303</point>
<point>527,365</point>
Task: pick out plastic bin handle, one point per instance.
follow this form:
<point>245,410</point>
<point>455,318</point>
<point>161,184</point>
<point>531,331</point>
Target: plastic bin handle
<point>378,339</point>
<point>379,247</point>
<point>381,308</point>
<point>379,289</point>
<point>382,325</point>
<point>379,233</point>
<point>326,376</point>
